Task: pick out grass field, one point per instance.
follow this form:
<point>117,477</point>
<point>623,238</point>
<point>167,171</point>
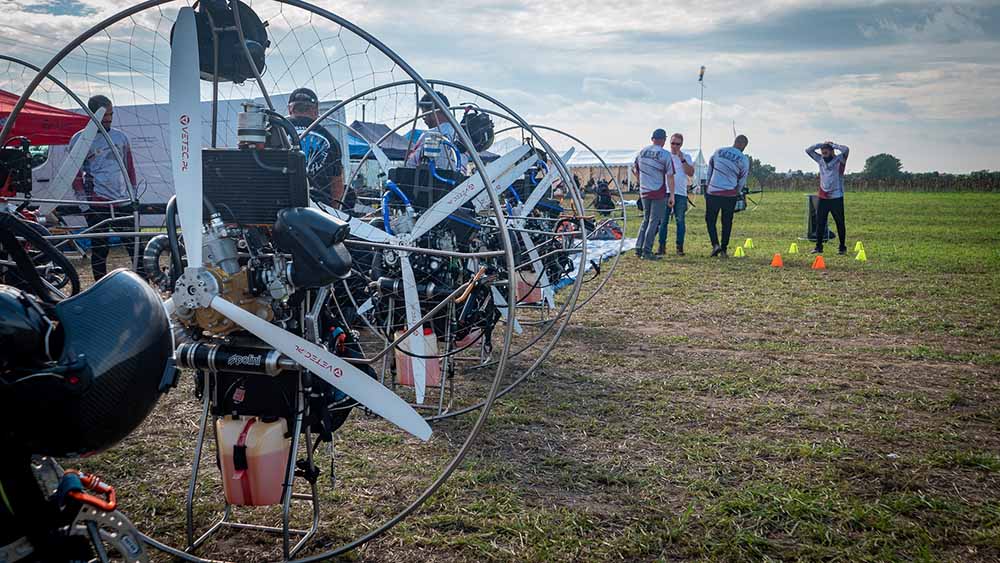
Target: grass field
<point>703,410</point>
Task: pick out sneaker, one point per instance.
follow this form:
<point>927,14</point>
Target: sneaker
<point>715,251</point>
<point>680,250</point>
<point>651,256</point>
<point>842,251</point>
<point>816,251</point>
<point>661,250</point>
<point>638,253</point>
<point>724,255</point>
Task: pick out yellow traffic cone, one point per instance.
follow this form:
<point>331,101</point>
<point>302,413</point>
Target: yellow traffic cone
<point>861,257</point>
<point>748,243</point>
<point>793,249</point>
<point>739,252</point>
<point>858,247</point>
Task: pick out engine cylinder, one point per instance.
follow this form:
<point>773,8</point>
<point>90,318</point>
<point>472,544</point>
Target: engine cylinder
<point>215,357</point>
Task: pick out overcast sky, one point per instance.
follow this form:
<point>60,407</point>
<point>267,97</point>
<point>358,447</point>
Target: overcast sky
<point>916,79</point>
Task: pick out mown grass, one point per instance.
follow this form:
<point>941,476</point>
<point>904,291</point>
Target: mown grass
<point>701,410</point>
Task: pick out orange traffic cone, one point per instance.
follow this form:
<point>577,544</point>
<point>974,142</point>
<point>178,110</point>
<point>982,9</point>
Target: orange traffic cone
<point>819,263</point>
<point>776,261</point>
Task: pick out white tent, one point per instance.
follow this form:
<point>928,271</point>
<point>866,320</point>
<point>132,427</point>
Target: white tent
<point>586,165</point>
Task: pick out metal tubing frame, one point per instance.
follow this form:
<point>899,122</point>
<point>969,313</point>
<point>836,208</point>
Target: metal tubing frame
<point>563,171</point>
<point>621,198</point>
<point>132,191</point>
<point>487,404</point>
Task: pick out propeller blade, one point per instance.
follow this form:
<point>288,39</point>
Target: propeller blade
<point>366,306</point>
<point>462,193</point>
<point>500,182</point>
<point>415,343</point>
<point>169,307</point>
<point>359,228</point>
<point>536,265</point>
<point>330,368</point>
<point>501,303</point>
<point>536,194</point>
<point>62,184</point>
<point>185,131</point>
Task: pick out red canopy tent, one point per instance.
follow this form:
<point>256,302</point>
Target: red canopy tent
<point>42,124</point>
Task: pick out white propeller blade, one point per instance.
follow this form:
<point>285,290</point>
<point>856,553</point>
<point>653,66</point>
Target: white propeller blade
<point>501,181</point>
<point>462,193</point>
<point>539,191</point>
<point>536,265</point>
<point>415,343</point>
<point>185,152</point>
<point>185,131</point>
<point>330,368</point>
<point>63,182</point>
<point>359,228</point>
<point>366,306</point>
<point>501,303</point>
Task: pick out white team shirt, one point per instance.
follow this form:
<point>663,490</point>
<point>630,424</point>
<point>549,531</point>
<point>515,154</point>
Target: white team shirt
<point>680,178</point>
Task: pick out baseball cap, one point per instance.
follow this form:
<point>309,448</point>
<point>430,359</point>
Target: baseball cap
<point>427,104</point>
<point>659,134</point>
<point>303,95</point>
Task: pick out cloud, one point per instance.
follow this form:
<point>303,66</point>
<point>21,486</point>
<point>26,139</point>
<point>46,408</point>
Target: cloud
<point>881,75</point>
<point>605,88</point>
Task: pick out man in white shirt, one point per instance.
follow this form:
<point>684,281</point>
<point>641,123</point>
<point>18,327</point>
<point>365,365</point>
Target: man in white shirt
<point>437,124</point>
<point>831,191</point>
<point>100,180</point>
<point>683,169</point>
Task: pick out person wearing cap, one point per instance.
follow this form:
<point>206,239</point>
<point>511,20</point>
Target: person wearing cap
<point>436,120</point>
<point>323,153</point>
<point>654,166</point>
<point>683,169</point>
<point>831,191</point>
<point>728,170</point>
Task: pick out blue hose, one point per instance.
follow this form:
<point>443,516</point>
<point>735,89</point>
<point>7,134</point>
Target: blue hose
<point>517,196</point>
<point>458,153</point>
<point>541,164</point>
<point>393,190</point>
<point>385,211</point>
<point>438,176</point>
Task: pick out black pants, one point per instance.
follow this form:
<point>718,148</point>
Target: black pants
<point>823,208</point>
<point>713,205</point>
<point>99,246</point>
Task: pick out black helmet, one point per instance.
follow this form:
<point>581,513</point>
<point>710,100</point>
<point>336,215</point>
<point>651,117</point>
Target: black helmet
<point>24,331</point>
<point>479,127</point>
<point>115,354</point>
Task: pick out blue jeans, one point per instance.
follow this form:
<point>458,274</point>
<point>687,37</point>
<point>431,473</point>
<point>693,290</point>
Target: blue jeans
<point>680,208</point>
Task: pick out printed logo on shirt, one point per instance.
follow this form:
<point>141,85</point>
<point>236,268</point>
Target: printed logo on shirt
<point>316,147</point>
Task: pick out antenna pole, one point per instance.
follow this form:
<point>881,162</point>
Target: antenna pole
<point>701,109</point>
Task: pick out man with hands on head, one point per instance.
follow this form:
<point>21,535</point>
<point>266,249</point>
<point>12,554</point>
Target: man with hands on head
<point>831,190</point>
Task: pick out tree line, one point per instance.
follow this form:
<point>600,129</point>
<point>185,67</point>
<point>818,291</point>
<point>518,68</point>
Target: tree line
<point>882,172</point>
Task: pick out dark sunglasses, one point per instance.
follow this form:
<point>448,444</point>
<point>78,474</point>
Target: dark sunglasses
<point>676,144</point>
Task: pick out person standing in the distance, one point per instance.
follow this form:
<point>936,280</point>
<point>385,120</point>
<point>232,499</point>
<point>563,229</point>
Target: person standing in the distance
<point>323,153</point>
<point>100,180</point>
<point>655,169</point>
<point>437,122</point>
<point>831,191</point>
<point>683,169</point>
<point>728,170</point>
